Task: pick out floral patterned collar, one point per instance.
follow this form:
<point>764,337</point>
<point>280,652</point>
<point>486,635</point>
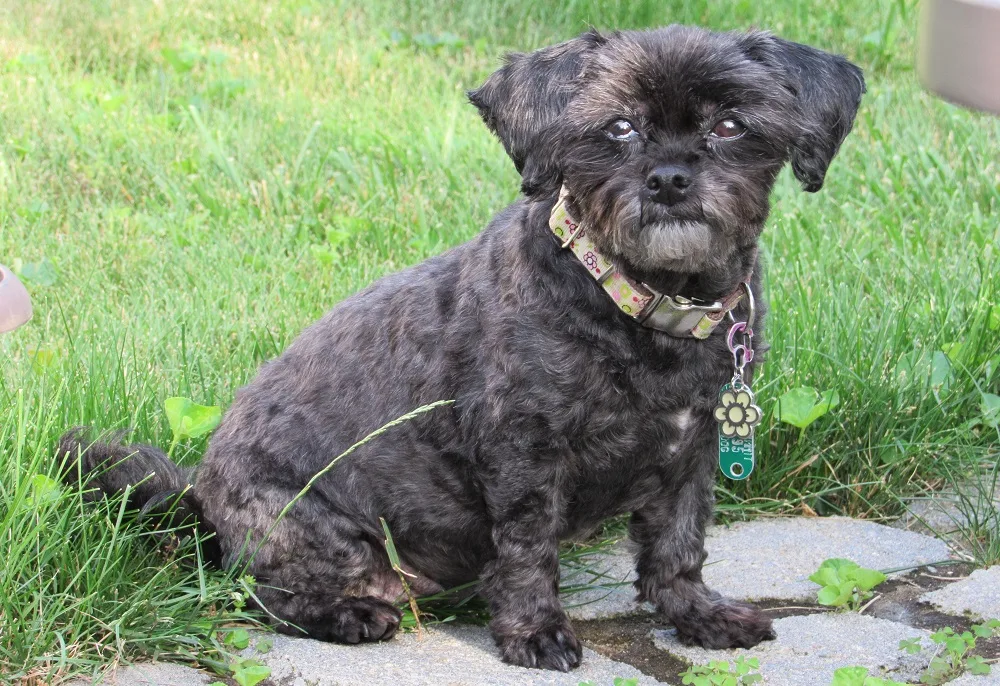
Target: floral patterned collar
<point>674,315</point>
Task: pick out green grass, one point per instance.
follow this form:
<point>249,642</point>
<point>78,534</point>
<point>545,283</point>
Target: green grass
<point>208,177</point>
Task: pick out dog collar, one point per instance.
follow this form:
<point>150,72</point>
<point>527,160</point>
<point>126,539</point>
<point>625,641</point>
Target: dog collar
<point>674,315</point>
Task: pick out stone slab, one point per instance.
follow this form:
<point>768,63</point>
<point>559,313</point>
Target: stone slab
<point>761,559</point>
<point>810,648</point>
<point>978,594</point>
<point>991,679</point>
<point>446,656</point>
<point>938,515</point>
<point>945,513</point>
<point>153,674</point>
<point>607,578</point>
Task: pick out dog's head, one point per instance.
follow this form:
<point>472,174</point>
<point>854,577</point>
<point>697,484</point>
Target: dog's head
<point>669,140</point>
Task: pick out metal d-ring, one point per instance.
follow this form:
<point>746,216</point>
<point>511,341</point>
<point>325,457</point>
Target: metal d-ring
<point>751,306</point>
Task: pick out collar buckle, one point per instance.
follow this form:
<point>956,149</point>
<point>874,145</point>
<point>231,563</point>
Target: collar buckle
<point>681,317</point>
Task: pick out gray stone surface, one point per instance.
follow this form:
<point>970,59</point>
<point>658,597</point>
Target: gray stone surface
<point>155,674</point>
<point>810,648</point>
<point>446,656</point>
<point>610,574</point>
<point>766,558</point>
<point>750,561</point>
<point>938,515</point>
<point>946,513</point>
<point>991,679</point>
<point>978,594</point>
<point>774,558</point>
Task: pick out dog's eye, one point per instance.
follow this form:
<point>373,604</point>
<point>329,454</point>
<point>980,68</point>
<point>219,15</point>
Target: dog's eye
<point>621,130</point>
<point>729,128</point>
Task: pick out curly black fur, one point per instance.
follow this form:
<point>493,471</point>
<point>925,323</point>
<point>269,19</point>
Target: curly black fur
<point>566,411</point>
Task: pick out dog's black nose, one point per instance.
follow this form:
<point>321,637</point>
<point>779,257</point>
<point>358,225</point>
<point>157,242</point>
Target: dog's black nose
<point>669,183</point>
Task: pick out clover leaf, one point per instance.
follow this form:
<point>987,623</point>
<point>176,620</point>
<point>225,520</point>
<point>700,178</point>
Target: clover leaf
<point>238,638</point>
<point>44,489</point>
<point>845,583</point>
<point>917,366</point>
<point>42,273</point>
<point>858,676</point>
<point>249,672</point>
<point>990,408</point>
<point>802,406</point>
<point>190,420</point>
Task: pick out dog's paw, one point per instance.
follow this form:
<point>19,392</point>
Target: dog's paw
<point>728,624</point>
<point>552,647</point>
<point>357,620</point>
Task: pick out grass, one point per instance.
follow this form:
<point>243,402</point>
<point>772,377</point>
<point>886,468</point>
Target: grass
<point>192,183</point>
<point>79,586</point>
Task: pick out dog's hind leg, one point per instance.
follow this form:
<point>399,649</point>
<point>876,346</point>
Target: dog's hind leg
<point>670,531</point>
<point>321,575</point>
<point>331,617</point>
<point>331,584</point>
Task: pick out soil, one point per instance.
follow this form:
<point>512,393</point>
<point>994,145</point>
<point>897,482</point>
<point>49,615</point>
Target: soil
<point>628,639</point>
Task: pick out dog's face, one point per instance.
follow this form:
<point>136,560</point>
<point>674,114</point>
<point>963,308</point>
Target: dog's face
<point>669,141</point>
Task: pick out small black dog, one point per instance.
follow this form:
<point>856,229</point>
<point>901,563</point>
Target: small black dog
<point>580,391</point>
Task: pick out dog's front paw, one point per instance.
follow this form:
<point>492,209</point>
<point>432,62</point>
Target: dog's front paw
<point>727,624</point>
<point>552,647</point>
<point>362,620</point>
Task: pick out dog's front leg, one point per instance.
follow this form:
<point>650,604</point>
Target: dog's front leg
<point>522,583</point>
<point>670,531</point>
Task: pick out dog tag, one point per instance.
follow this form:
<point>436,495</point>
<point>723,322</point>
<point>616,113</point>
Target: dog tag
<point>737,416</point>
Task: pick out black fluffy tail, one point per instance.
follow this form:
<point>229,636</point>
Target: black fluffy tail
<point>157,487</point>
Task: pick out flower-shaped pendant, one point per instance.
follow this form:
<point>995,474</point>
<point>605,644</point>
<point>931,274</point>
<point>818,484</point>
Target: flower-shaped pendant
<point>736,412</point>
<point>737,416</point>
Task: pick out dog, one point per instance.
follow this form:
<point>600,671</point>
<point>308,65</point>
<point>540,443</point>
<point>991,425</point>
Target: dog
<point>572,404</point>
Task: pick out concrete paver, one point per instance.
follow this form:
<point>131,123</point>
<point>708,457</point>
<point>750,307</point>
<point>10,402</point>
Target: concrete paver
<point>945,513</point>
<point>152,674</point>
<point>991,679</point>
<point>810,648</point>
<point>761,559</point>
<point>978,594</point>
<point>446,656</point>
<point>764,559</point>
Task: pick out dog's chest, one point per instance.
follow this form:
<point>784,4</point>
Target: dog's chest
<point>636,430</point>
<point>639,428</point>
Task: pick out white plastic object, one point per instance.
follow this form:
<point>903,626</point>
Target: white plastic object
<point>959,55</point>
<point>15,304</point>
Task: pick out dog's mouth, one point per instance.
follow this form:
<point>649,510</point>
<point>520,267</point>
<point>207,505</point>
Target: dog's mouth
<point>653,238</point>
<point>675,238</point>
<point>653,212</point>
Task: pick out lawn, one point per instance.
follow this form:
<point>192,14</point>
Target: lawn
<point>185,185</point>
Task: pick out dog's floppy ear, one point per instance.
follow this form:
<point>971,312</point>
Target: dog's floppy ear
<point>527,94</point>
<point>828,89</point>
